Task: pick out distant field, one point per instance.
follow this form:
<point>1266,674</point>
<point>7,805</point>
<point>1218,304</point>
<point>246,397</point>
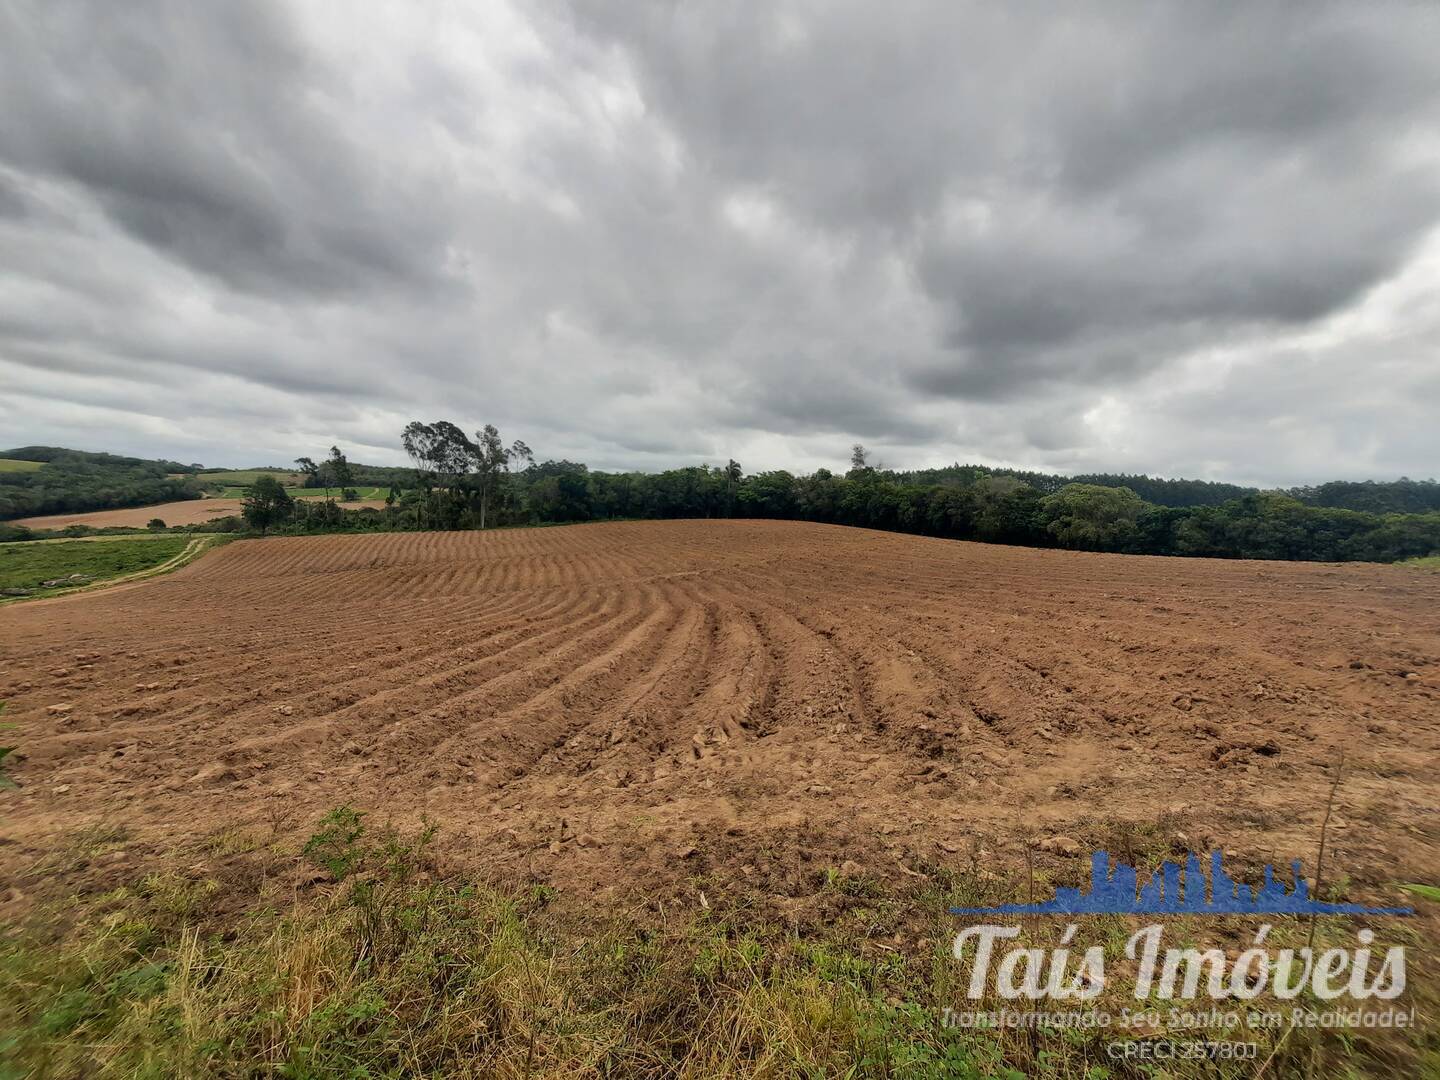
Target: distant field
<point>16,465</point>
<point>241,478</point>
<point>26,565</point>
<point>234,482</point>
<point>186,512</point>
<point>238,492</point>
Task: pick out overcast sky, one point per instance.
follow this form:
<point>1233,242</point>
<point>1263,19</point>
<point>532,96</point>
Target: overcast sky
<point>1191,239</point>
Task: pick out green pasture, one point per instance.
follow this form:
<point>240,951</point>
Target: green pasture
<point>24,565</point>
<point>241,478</point>
<point>238,492</point>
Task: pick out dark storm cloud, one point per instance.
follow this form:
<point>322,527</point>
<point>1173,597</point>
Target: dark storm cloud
<point>776,400</point>
<point>641,234</point>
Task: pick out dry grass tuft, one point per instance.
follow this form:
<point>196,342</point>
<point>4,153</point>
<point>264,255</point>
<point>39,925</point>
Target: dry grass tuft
<point>397,969</point>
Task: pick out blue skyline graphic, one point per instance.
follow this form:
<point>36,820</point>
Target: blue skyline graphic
<point>1177,890</point>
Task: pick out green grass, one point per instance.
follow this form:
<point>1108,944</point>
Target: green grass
<point>1425,892</point>
<point>361,492</point>
<point>16,465</point>
<point>1428,562</point>
<point>26,564</point>
<point>396,966</point>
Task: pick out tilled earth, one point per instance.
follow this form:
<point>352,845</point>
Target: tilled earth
<point>185,512</point>
<point>627,708</point>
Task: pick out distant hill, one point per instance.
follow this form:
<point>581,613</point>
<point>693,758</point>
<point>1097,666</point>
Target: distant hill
<point>71,481</point>
<point>1155,490</point>
<point>1403,496</point>
<point>40,480</point>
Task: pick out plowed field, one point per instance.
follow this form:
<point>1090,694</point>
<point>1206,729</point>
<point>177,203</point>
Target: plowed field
<point>629,705</point>
<point>185,512</point>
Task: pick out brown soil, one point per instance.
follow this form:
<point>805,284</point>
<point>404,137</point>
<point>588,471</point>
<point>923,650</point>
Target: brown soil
<point>632,706</point>
<point>185,512</point>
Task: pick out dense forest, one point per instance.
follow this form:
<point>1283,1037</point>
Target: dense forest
<point>1403,496</point>
<point>462,482</point>
<point>71,481</point>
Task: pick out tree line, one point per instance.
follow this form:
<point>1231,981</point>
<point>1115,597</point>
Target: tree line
<point>465,481</point>
<point>1152,489</point>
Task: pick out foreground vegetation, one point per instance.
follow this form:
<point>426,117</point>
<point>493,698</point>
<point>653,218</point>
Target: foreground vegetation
<point>29,566</point>
<point>362,956</point>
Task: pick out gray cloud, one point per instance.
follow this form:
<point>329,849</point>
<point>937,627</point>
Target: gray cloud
<point>638,235</point>
<point>205,132</point>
